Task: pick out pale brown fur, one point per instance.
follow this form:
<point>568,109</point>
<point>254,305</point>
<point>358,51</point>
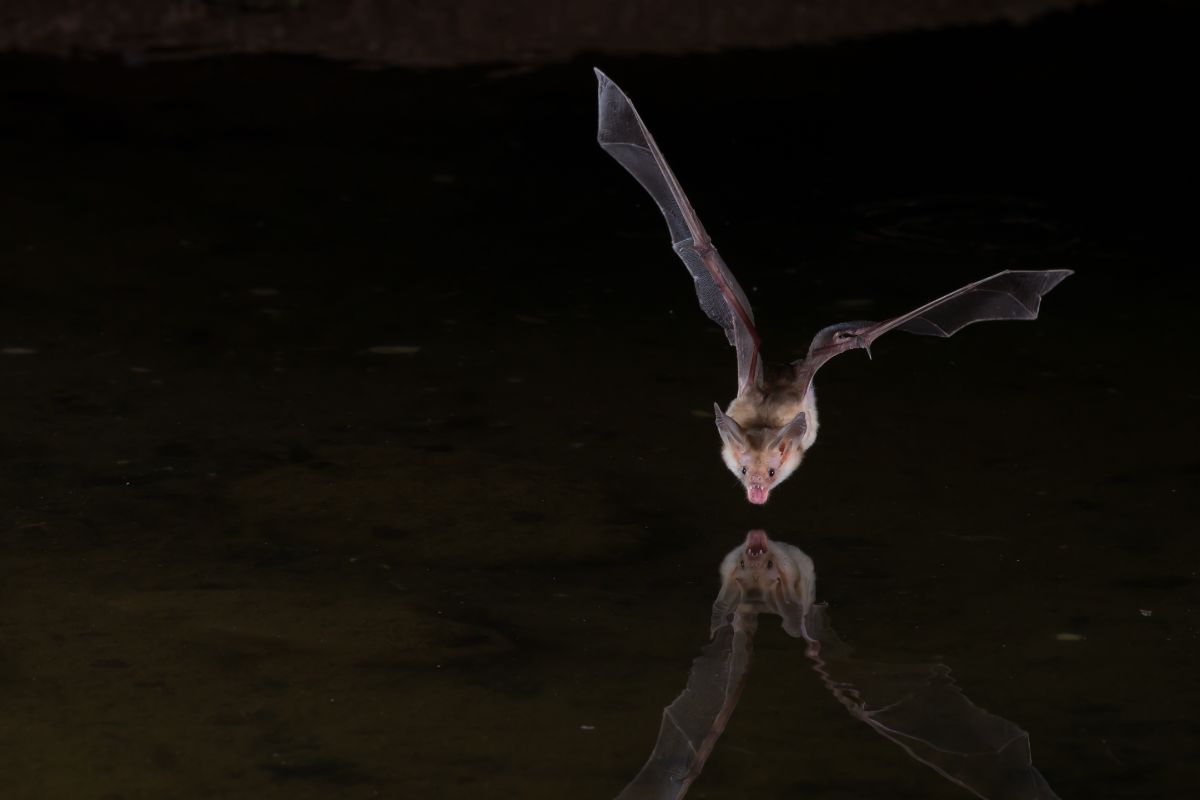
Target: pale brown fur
<point>761,463</point>
<point>763,574</point>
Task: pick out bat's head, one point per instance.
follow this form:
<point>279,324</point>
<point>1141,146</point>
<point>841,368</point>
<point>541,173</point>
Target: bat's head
<point>755,565</point>
<point>772,576</point>
<point>764,458</point>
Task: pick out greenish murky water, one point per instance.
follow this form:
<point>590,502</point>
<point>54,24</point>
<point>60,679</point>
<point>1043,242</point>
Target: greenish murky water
<point>355,438</point>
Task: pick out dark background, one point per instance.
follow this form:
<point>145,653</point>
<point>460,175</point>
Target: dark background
<point>247,553</point>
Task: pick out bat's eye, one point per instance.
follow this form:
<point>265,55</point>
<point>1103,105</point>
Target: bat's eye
<point>770,564</point>
<point>743,470</point>
<point>771,473</point>
<point>742,563</point>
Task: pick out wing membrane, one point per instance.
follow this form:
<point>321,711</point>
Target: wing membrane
<point>692,724</point>
<point>1008,295</point>
<point>624,136</point>
<point>920,708</point>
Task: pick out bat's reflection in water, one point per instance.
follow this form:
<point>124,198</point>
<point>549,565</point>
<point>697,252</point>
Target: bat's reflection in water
<point>916,706</point>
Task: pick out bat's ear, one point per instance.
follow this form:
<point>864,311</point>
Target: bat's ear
<point>792,432</point>
<point>731,433</point>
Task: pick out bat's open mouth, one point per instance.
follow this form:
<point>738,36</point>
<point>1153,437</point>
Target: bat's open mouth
<point>756,544</point>
<point>756,493</point>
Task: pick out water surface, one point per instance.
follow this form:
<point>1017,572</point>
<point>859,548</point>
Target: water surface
<point>247,552</point>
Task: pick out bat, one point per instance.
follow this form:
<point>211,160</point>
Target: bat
<point>915,706</point>
<point>772,422</point>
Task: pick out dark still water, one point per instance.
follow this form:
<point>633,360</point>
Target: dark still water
<point>356,433</point>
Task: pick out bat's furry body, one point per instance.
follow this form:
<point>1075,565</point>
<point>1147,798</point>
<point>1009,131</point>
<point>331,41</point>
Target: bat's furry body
<point>768,427</point>
<point>764,575</point>
<point>761,412</point>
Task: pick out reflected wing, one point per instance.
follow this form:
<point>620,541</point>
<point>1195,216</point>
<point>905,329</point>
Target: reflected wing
<point>624,137</point>
<point>691,725</point>
<point>1012,294</point>
<point>919,708</point>
<point>725,607</point>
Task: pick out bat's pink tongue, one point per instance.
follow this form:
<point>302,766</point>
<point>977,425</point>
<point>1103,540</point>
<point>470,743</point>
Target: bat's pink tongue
<point>756,494</point>
<point>756,543</point>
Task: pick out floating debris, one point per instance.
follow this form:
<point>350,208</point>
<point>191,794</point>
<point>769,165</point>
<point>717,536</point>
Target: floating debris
<point>394,349</point>
<point>975,537</point>
<point>1070,637</point>
<point>18,351</point>
<point>264,291</point>
<point>854,302</point>
<point>1146,612</point>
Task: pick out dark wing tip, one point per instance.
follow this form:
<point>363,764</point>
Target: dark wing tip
<point>1050,279</point>
<point>1053,274</point>
<point>1055,277</point>
<point>613,103</point>
<point>602,84</point>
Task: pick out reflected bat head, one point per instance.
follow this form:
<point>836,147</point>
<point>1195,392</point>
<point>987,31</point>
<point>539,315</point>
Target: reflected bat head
<point>756,567</point>
<point>772,576</point>
<point>764,458</point>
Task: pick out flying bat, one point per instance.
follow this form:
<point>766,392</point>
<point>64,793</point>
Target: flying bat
<point>772,422</point>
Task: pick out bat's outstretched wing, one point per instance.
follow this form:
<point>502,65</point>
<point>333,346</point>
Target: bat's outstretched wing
<point>693,722</point>
<point>921,709</point>
<point>624,137</point>
<point>1012,294</point>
